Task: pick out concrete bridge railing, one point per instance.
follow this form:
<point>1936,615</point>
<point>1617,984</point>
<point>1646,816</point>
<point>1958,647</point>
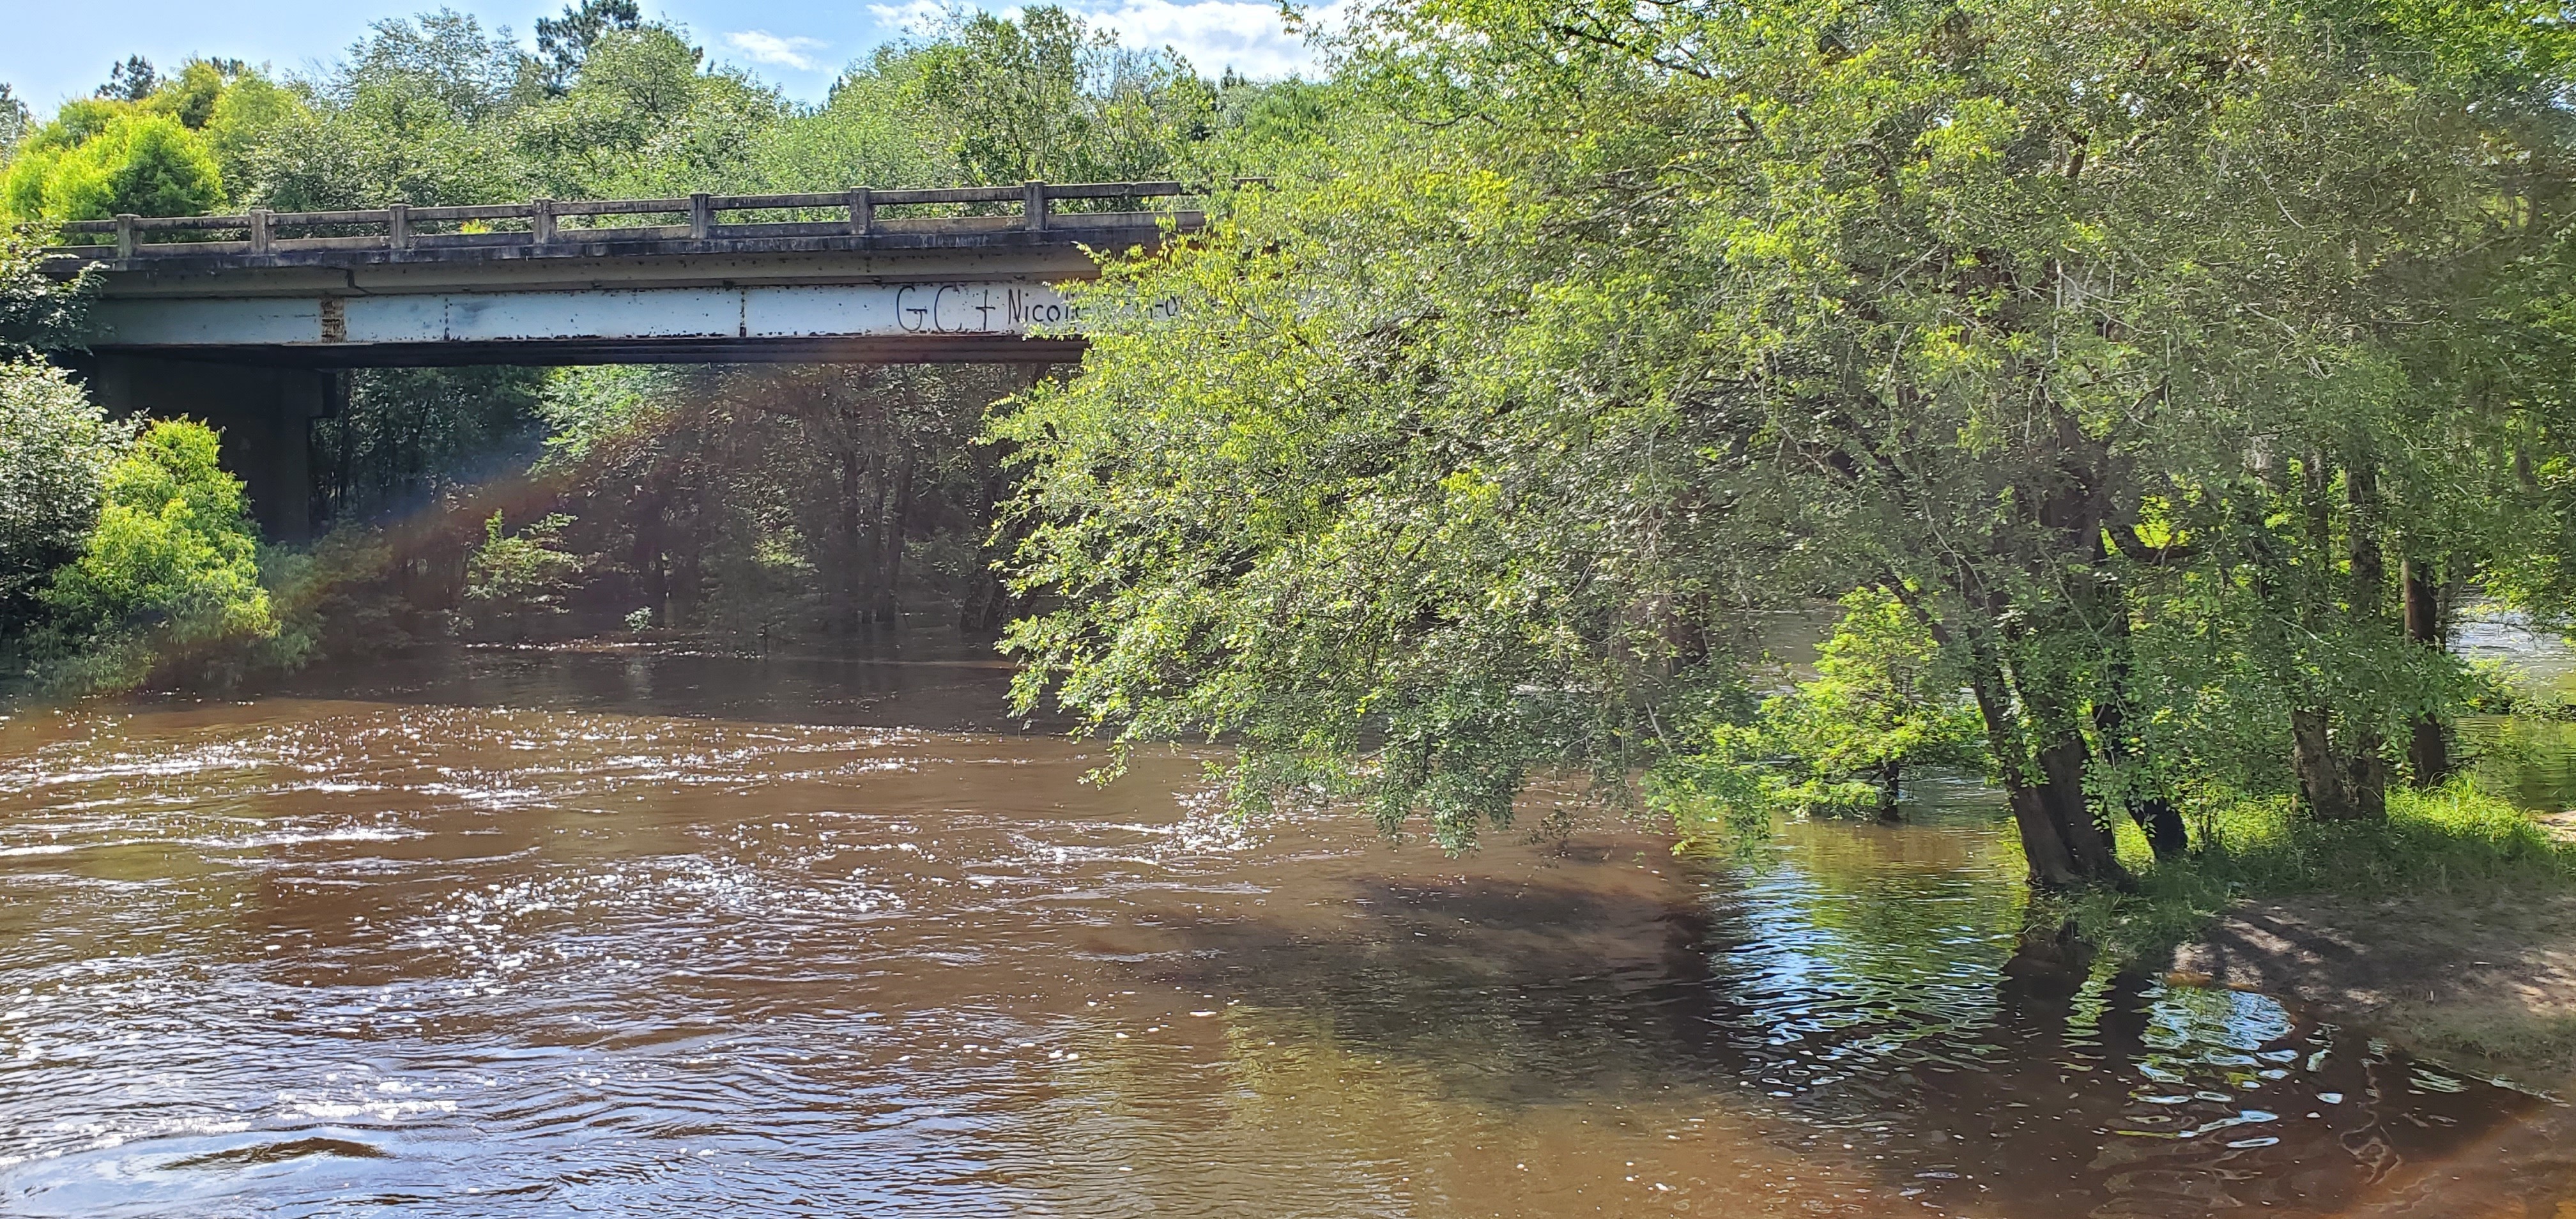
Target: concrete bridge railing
<point>542,226</point>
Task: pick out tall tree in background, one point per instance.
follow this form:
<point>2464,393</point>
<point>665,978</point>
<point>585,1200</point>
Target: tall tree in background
<point>130,81</point>
<point>564,43</point>
<point>14,122</point>
<point>1046,96</point>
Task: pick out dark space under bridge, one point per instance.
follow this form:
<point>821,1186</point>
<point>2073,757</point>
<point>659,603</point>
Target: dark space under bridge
<point>246,321</point>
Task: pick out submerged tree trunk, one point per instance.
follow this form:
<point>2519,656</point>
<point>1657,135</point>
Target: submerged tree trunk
<point>2428,751</point>
<point>852,547</point>
<point>652,582</point>
<point>2051,865</point>
<point>2061,793</point>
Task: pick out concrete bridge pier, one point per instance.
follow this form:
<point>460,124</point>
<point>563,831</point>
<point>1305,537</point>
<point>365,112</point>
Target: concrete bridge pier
<point>264,411</point>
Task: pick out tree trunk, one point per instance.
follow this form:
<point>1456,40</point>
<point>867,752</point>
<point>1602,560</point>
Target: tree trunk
<point>853,541</point>
<point>2428,751</point>
<point>651,581</point>
<point>2366,779</point>
<point>2061,756</point>
<point>2061,793</point>
<point>2051,866</point>
<point>2340,779</point>
<point>2162,820</point>
<point>2320,780</point>
<point>2155,814</point>
<point>897,496</point>
<point>1888,774</point>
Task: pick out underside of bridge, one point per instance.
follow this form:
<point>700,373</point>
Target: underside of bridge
<point>265,400</point>
<point>254,337</point>
<point>265,412</point>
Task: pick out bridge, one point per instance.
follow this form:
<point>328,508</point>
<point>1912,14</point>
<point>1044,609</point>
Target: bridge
<point>245,320</point>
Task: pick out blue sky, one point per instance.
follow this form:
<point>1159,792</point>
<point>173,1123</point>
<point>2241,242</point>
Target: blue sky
<point>54,49</point>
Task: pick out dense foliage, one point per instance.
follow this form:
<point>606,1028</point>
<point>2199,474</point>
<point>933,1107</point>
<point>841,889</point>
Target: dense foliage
<point>55,448</point>
<point>2149,354</point>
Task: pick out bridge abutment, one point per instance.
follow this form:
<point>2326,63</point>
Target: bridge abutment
<point>265,413</point>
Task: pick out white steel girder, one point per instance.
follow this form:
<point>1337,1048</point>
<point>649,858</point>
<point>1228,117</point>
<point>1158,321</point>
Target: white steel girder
<point>919,311</point>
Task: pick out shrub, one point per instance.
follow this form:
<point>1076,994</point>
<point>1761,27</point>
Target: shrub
<point>173,553</point>
<point>1884,698</point>
<point>515,581</point>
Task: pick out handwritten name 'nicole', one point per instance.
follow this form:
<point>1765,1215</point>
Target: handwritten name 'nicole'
<point>971,309</point>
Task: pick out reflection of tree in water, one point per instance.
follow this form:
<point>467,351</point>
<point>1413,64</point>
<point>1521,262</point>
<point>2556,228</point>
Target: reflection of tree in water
<point>1908,1016</point>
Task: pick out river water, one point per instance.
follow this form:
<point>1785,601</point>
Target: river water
<point>515,933</point>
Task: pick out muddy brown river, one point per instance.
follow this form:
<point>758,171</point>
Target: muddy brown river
<point>549,933</point>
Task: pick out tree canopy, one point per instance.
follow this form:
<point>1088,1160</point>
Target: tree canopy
<point>2140,351</point>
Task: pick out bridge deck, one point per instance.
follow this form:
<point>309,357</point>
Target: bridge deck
<point>830,276</point>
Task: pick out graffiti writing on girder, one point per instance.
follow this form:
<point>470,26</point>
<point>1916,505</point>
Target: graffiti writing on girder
<point>986,309</point>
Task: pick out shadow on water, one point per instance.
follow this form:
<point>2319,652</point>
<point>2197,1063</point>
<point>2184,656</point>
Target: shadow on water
<point>1971,1065</point>
<point>937,680</point>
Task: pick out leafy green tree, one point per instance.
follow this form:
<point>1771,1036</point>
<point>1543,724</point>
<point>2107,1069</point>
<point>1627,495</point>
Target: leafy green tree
<point>139,162</point>
<point>641,116</point>
<point>516,582</point>
<point>173,555</point>
<point>55,444</point>
<point>416,112</point>
<point>1046,96</point>
<point>1884,699</point>
<point>410,435</point>
<point>191,95</point>
<point>38,313</point>
<point>1450,457</point>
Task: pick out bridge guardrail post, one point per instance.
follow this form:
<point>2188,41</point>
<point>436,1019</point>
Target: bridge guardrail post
<point>702,216</point>
<point>259,230</point>
<point>863,212</point>
<point>398,227</point>
<point>541,222</point>
<point>125,234</point>
<point>1035,206</point>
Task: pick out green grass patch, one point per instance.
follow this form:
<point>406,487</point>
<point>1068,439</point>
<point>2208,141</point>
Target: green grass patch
<point>2455,842</point>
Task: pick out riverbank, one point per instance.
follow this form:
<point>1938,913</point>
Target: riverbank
<point>2450,928</point>
<point>2490,984</point>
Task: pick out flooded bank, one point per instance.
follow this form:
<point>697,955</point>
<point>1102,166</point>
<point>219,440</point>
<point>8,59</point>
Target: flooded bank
<point>519,933</point>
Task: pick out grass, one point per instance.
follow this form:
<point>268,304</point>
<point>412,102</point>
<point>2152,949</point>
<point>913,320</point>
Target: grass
<point>2495,1034</point>
<point>2454,842</point>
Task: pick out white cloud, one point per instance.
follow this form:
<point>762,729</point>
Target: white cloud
<point>914,17</point>
<point>1248,36</point>
<point>1245,35</point>
<point>765,47</point>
